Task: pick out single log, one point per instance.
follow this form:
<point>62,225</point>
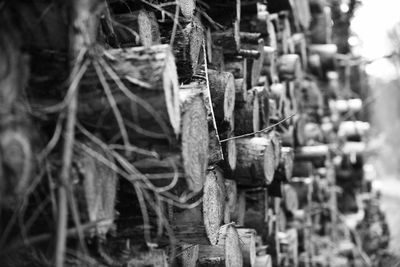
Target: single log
<point>247,118</point>
<point>213,204</point>
<point>97,187</point>
<point>158,115</point>
<point>255,161</point>
<point>214,148</point>
<point>187,46</point>
<point>287,136</point>
<point>276,144</point>
<point>143,23</point>
<point>222,88</point>
<point>231,197</point>
<point>290,199</point>
<point>270,64</point>
<point>289,67</point>
<point>240,213</point>
<point>321,28</point>
<point>237,66</point>
<point>302,169</point>
<point>226,253</point>
<point>189,255</point>
<point>264,100</point>
<point>278,94</point>
<point>229,40</point>
<point>310,153</point>
<point>326,54</point>
<point>300,122</point>
<point>309,98</point>
<point>254,64</point>
<point>194,139</point>
<point>241,91</point>
<point>263,261</point>
<point>285,169</point>
<point>247,239</point>
<point>187,7</point>
<point>156,257</point>
<point>200,225</point>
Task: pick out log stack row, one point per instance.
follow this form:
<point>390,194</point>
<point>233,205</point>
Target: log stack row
<point>209,115</point>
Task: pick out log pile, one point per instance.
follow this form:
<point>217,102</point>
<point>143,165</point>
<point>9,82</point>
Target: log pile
<point>191,133</point>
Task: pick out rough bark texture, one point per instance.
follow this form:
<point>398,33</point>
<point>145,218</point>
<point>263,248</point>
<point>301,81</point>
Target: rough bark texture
<point>255,162</point>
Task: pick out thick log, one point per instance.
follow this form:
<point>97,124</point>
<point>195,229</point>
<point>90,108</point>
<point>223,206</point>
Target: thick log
<point>226,253</point>
<point>187,46</point>
<point>98,185</point>
<point>222,88</point>
<point>214,148</point>
<point>156,116</point>
<point>255,161</point>
<point>289,67</point>
<point>143,23</point>
<point>156,257</point>
<point>247,239</point>
<point>247,117</point>
<point>194,139</point>
<point>213,204</point>
<point>200,225</point>
<point>231,199</point>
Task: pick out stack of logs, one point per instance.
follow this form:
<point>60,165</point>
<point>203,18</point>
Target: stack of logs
<point>211,115</point>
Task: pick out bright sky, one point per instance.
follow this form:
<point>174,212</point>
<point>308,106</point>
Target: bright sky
<point>371,23</point>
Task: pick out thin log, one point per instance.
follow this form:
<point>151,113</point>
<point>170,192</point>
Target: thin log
<point>311,153</point>
<point>289,67</point>
<point>285,169</point>
<point>247,239</point>
<point>300,122</point>
<point>302,169</point>
<point>270,63</point>
<point>143,23</point>
<point>255,161</point>
<point>247,118</point>
<point>241,91</point>
<point>263,97</point>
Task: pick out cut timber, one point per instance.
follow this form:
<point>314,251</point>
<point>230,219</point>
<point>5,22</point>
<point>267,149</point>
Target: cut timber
<point>189,255</point>
<point>187,7</point>
<point>229,40</point>
<point>327,55</point>
<point>156,116</point>
<point>263,261</point>
<point>312,152</point>
<point>302,169</point>
<point>241,91</point>
<point>214,148</point>
<point>290,199</point>
<point>247,239</point>
<point>98,187</point>
<point>278,94</point>
<point>222,88</point>
<point>255,161</point>
<point>345,105</point>
<point>270,64</point>
<point>237,66</point>
<point>187,46</point>
<point>263,97</point>
<point>141,22</point>
<point>226,253</point>
<point>300,121</point>
<point>289,67</point>
<point>156,258</point>
<point>195,138</point>
<point>213,204</point>
<point>254,64</point>
<point>200,225</point>
<point>247,117</point>
<point>285,169</point>
<point>231,197</point>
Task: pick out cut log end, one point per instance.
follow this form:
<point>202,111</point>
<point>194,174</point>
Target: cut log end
<point>213,204</point>
<point>195,141</point>
<point>229,237</point>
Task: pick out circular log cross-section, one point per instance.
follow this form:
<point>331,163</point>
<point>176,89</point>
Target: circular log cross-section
<point>222,88</point>
<point>195,141</point>
<point>247,118</point>
<point>255,160</point>
<point>286,162</point>
<point>289,67</point>
<point>229,238</point>
<point>290,199</point>
<point>187,7</point>
<point>213,204</point>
